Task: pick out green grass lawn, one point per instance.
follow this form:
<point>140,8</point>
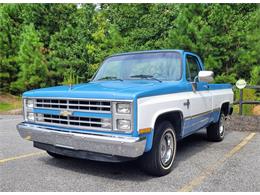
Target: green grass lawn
<point>5,107</point>
<point>9,102</point>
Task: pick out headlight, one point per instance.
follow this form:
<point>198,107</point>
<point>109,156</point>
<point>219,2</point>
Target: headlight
<point>123,108</point>
<point>29,103</point>
<point>30,116</point>
<point>123,124</point>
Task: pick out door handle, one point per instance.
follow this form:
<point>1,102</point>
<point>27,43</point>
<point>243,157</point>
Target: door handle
<point>187,103</point>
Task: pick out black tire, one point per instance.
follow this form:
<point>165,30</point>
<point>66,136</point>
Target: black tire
<point>152,162</point>
<point>54,155</point>
<point>216,131</point>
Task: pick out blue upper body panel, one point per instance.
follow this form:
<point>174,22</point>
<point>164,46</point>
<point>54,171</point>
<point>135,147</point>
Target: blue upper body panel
<point>121,90</point>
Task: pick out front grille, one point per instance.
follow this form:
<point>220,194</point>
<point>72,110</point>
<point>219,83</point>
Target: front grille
<point>75,105</point>
<point>74,121</point>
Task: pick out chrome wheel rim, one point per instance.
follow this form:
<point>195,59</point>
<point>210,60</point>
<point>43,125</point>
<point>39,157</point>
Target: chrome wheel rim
<point>167,147</point>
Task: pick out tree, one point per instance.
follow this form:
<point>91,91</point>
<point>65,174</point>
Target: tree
<point>143,26</point>
<point>31,60</point>
<point>249,59</point>
<point>47,18</point>
<point>70,42</point>
<point>68,53</point>
<point>217,33</point>
<point>129,27</point>
<point>106,39</point>
<point>9,44</point>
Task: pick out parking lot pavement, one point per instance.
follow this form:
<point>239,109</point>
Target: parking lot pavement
<point>231,165</point>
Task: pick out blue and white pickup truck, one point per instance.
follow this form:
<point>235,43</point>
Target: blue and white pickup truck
<point>137,105</point>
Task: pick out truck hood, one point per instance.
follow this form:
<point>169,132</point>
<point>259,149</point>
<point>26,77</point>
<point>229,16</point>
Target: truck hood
<point>125,90</point>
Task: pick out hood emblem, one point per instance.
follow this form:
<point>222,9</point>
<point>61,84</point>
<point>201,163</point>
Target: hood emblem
<point>66,113</point>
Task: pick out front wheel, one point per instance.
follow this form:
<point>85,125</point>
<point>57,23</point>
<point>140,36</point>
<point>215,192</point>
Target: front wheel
<point>216,131</point>
<point>159,160</point>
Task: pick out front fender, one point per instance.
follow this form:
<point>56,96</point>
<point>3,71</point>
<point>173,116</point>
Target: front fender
<point>149,137</point>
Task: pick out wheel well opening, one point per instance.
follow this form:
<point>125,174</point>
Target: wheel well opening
<point>175,118</point>
<point>225,108</point>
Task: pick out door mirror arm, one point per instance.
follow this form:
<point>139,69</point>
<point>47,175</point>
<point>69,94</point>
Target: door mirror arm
<point>194,86</point>
<point>196,79</point>
<point>194,83</point>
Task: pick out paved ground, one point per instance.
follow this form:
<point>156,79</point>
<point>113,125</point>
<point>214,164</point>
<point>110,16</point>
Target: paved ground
<point>232,165</point>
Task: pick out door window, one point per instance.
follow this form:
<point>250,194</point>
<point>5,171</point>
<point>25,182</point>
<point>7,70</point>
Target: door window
<point>192,67</point>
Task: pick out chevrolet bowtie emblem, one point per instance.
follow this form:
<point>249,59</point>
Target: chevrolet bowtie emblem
<point>66,113</point>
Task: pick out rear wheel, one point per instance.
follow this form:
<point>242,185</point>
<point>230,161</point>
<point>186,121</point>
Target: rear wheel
<point>216,131</point>
<point>159,160</point>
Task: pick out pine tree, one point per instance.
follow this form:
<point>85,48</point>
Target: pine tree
<point>31,60</point>
<point>68,53</point>
<point>10,26</point>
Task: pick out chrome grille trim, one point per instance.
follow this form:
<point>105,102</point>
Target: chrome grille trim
<point>101,106</point>
<point>74,121</point>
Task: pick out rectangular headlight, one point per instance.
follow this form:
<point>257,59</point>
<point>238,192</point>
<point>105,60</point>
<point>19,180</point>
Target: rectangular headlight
<point>123,108</point>
<point>30,116</point>
<point>29,103</point>
<point>123,124</point>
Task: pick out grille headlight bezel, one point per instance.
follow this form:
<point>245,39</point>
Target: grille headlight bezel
<point>120,117</point>
<point>28,105</point>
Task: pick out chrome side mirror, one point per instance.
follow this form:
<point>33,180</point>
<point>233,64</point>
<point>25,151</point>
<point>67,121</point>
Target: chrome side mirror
<point>206,76</point>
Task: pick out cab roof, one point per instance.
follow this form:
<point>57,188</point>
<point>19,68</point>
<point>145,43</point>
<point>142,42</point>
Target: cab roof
<point>149,51</point>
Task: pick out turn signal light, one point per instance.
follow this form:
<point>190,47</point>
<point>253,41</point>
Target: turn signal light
<point>145,130</point>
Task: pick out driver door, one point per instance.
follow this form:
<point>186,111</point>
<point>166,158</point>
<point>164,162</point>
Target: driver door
<point>200,99</point>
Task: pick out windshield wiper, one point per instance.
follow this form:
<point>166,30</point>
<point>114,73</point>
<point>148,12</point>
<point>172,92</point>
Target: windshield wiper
<point>110,78</point>
<point>144,76</point>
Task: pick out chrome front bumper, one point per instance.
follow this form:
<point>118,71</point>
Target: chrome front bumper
<point>104,144</point>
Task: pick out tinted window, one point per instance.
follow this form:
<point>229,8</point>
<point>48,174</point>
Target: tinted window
<point>192,67</point>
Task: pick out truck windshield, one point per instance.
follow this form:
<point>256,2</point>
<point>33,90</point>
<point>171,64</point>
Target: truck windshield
<point>161,66</point>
